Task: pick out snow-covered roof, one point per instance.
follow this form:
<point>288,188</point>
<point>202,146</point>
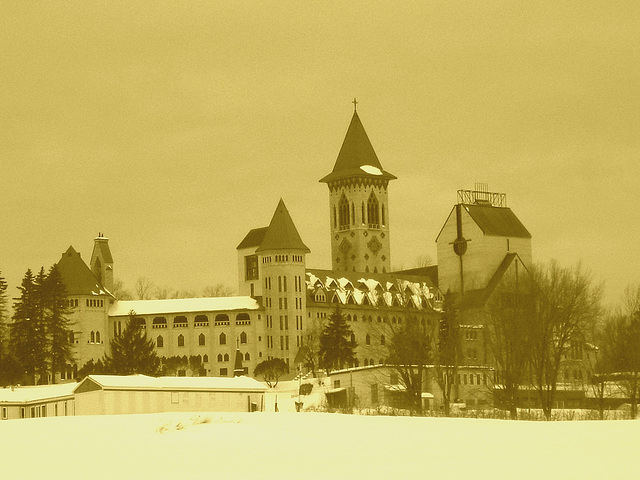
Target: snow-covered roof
<point>182,305</point>
<point>144,382</point>
<point>36,393</point>
<point>376,289</point>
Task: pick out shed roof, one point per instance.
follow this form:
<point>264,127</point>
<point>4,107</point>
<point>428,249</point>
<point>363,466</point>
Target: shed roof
<point>182,305</point>
<point>497,221</point>
<point>143,382</point>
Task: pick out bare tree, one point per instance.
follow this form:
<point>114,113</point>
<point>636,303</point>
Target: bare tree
<point>567,307</point>
<point>120,292</point>
<point>447,351</point>
<point>511,310</point>
<point>620,345</point>
<point>163,293</point>
<point>424,261</point>
<point>217,290</point>
<point>143,288</point>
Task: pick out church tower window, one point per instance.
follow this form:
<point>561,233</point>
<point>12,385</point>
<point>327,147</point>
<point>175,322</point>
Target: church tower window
<point>383,219</point>
<point>373,211</point>
<point>344,212</point>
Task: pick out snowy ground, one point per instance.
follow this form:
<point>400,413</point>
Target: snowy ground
<point>290,445</point>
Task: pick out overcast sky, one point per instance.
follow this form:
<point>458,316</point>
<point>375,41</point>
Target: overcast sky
<point>174,128</point>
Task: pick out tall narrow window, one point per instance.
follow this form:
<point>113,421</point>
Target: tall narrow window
<point>363,217</point>
<point>335,218</point>
<point>373,209</point>
<point>93,337</point>
<point>344,212</point>
<point>353,214</point>
<point>97,337</point>
<point>382,210</point>
<point>223,339</point>
<point>201,339</point>
<point>181,340</point>
<point>243,337</point>
<point>159,341</point>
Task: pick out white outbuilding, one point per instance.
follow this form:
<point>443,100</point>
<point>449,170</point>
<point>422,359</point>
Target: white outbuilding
<point>112,394</point>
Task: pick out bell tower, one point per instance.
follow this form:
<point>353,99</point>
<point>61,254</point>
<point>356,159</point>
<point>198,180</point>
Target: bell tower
<point>359,205</point>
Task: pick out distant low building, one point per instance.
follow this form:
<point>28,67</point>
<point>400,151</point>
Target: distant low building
<point>37,401</point>
<point>112,394</point>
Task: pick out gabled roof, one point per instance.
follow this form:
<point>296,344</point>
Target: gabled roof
<point>281,233</point>
<point>478,298</point>
<point>143,382</point>
<point>36,393</point>
<point>77,277</point>
<point>253,239</point>
<point>357,152</point>
<point>497,221</point>
<point>493,221</point>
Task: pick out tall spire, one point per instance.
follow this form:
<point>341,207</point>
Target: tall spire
<point>357,158</point>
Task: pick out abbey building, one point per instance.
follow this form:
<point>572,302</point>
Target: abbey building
<point>282,301</point>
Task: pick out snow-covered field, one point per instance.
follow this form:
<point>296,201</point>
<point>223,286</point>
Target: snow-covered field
<point>289,445</point>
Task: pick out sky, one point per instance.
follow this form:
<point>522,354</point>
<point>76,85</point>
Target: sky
<point>174,128</point>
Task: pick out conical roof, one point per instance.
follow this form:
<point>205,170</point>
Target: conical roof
<point>77,277</point>
<point>281,233</point>
<point>357,158</point>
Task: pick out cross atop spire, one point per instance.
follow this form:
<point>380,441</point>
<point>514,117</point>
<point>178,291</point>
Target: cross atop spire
<point>355,104</point>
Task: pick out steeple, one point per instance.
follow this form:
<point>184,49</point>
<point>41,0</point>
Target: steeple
<point>357,158</point>
<point>359,205</point>
<point>281,233</point>
<point>102,261</point>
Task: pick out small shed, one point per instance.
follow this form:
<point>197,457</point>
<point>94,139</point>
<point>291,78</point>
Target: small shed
<point>37,401</point>
<point>113,394</point>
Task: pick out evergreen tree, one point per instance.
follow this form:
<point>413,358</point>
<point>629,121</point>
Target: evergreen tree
<point>28,340</point>
<point>57,324</point>
<point>3,317</point>
<point>336,347</point>
<point>132,352</point>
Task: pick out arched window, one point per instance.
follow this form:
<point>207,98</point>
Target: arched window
<point>97,337</point>
<point>222,317</point>
<point>219,357</point>
<point>382,340</point>
<point>382,210</point>
<point>367,339</point>
<point>180,321</point>
<point>159,322</point>
<point>247,356</point>
<point>344,212</point>
<point>242,316</point>
<point>159,341</point>
<point>201,339</point>
<point>181,340</point>
<point>93,337</point>
<point>363,217</point>
<point>373,209</point>
<point>366,362</point>
<point>201,321</point>
<point>205,359</point>
<point>223,339</point>
<point>226,357</point>
<point>243,337</point>
<point>357,362</point>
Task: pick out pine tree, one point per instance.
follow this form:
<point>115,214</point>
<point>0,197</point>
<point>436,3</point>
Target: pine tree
<point>336,347</point>
<point>132,352</point>
<point>57,324</point>
<point>28,340</point>
<point>3,317</point>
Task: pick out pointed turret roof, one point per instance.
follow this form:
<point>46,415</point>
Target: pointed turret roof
<point>281,233</point>
<point>77,277</point>
<point>357,157</point>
